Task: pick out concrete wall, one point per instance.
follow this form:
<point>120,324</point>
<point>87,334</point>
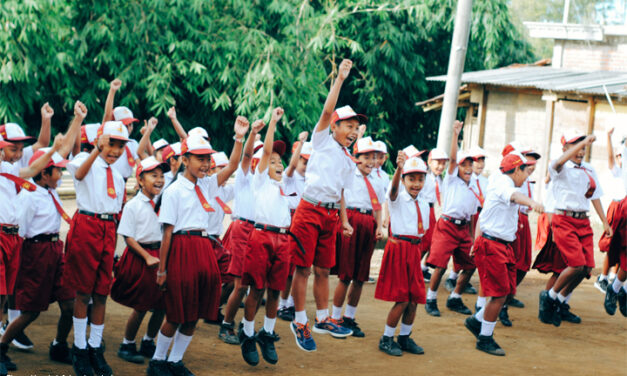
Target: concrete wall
<point>610,55</point>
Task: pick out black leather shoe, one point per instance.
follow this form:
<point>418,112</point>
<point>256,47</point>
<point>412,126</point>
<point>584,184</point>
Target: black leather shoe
<point>545,310</point>
<point>388,346</point>
<point>98,362</point>
<point>286,314</point>
<point>457,305</point>
<point>516,303</point>
<point>504,317</point>
<point>567,315</point>
<point>469,289</point>
<point>147,348</point>
<point>80,362</point>
<point>158,368</point>
<point>129,353</point>
<point>622,302</point>
<point>351,324</point>
<point>611,298</point>
<point>227,334</point>
<point>488,344</point>
<point>60,353</point>
<point>407,344</point>
<point>432,308</point>
<point>426,275</point>
<point>4,358</point>
<point>179,369</point>
<point>249,348</point>
<point>266,343</point>
<point>473,325</point>
<point>556,314</point>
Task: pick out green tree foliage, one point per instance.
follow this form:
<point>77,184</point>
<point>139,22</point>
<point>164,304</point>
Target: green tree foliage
<point>217,59</point>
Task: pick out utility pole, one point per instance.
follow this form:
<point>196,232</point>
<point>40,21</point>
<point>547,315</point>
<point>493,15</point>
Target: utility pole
<point>456,60</point>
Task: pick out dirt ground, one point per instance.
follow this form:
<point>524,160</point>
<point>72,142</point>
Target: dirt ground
<point>597,345</point>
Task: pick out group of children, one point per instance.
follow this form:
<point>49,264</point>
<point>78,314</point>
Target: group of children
<point>327,209</point>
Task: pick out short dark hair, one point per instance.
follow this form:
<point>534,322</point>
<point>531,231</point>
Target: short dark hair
<point>48,171</point>
<point>521,167</point>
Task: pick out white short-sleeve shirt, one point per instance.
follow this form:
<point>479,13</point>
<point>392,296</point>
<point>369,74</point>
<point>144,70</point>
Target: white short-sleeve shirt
<point>139,220</point>
<point>479,185</point>
<point>459,200</point>
<point>27,154</point>
<point>226,194</point>
<point>296,184</point>
<point>428,191</point>
<point>617,181</point>
<point>570,185</point>
<point>357,195</point>
<point>8,192</point>
<point>181,207</point>
<point>37,213</point>
<point>404,216</point>
<point>244,206</point>
<point>527,189</point>
<point>271,207</point>
<point>122,165</point>
<point>381,178</point>
<point>499,216</point>
<point>91,192</point>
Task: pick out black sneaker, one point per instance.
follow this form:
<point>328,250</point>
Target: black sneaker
<point>556,315</point>
<point>473,325</point>
<point>351,324</point>
<point>601,284</point>
<point>98,362</point>
<point>4,358</point>
<point>22,342</point>
<point>407,344</point>
<point>611,298</point>
<point>504,317</point>
<point>545,310</point>
<point>432,308</point>
<point>567,315</point>
<point>516,303</point>
<point>622,301</point>
<point>286,314</point>
<point>469,289</point>
<point>388,346</point>
<point>147,348</point>
<point>450,284</point>
<point>60,353</point>
<point>249,348</point>
<point>457,305</point>
<point>129,353</point>
<point>489,345</point>
<point>227,334</point>
<point>158,368</point>
<point>179,369</point>
<point>266,343</point>
<point>80,362</point>
<point>426,275</point>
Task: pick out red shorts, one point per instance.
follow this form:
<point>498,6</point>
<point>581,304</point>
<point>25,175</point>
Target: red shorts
<point>353,253</point>
<point>89,250</point>
<point>135,284</point>
<point>617,252</point>
<point>10,246</point>
<point>573,238</point>
<point>267,261</point>
<point>614,216</point>
<point>193,284</point>
<point>238,244</point>
<point>549,259</point>
<point>400,278</point>
<point>223,257</point>
<point>449,240</point>
<point>496,266</point>
<point>315,227</point>
<point>39,281</point>
<point>522,244</point>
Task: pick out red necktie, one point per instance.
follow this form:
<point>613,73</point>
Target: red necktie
<point>152,203</point>
<point>60,209</point>
<point>592,185</point>
<point>421,229</point>
<point>480,195</point>
<point>528,189</point>
<point>110,185</point>
<point>379,173</point>
<point>224,206</point>
<point>203,201</point>
<point>129,156</point>
<point>376,205</point>
<point>19,182</point>
<point>437,191</point>
<point>355,160</point>
<point>283,193</point>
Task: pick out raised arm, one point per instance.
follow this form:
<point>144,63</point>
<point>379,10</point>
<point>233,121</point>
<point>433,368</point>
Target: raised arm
<point>74,130</point>
<point>101,143</point>
<point>240,128</point>
<point>457,128</point>
<point>43,140</point>
<point>610,150</point>
<point>331,102</point>
<point>302,137</point>
<point>268,142</point>
<point>108,110</point>
<point>250,144</point>
<point>178,128</point>
<point>41,162</point>
<point>145,140</point>
<point>568,154</point>
<point>396,179</point>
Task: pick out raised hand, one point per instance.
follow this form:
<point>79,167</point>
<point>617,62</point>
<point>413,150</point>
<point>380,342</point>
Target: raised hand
<point>46,111</point>
<point>361,131</point>
<point>115,84</point>
<point>302,136</point>
<point>241,127</point>
<point>258,125</point>
<point>58,141</point>
<point>152,123</point>
<point>457,127</point>
<point>400,159</point>
<point>172,113</point>
<point>277,114</point>
<point>80,110</point>
<point>589,139</point>
<point>103,141</point>
<point>345,69</point>
<point>610,132</point>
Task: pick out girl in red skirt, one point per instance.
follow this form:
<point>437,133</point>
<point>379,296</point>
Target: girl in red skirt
<point>353,253</point>
<point>135,283</point>
<point>400,280</point>
<point>188,271</point>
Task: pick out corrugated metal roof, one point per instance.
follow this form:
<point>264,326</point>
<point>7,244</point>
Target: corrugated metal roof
<point>550,79</point>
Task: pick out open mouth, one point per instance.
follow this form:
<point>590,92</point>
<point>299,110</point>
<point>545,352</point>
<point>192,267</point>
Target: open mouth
<point>351,139</point>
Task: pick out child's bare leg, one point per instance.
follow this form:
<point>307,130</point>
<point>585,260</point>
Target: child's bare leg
<point>340,293</point>
<point>272,303</point>
<point>354,293</point>
<point>236,297</point>
<point>285,293</point>
<point>156,319</point>
<point>462,281</point>
<point>436,277</point>
<point>551,281</point>
<point>132,325</point>
<point>396,313</point>
<point>409,315</point>
<point>17,326</point>
<point>65,320</point>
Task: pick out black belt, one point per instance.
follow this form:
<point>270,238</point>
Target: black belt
<point>200,233</point>
<point>495,239</point>
<point>43,238</point>
<point>455,221</point>
<point>431,204</point>
<point>156,245</point>
<point>9,229</point>
<point>245,220</point>
<point>574,214</point>
<point>326,205</point>
<point>407,239</point>
<point>278,230</point>
<point>104,217</point>
<point>362,211</point>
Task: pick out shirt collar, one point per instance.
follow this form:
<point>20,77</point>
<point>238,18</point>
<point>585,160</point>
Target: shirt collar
<point>407,197</point>
<point>142,196</point>
<point>185,181</point>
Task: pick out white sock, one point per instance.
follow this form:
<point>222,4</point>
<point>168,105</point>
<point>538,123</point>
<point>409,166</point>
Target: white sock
<point>481,300</point>
<point>431,295</point>
<point>322,314</point>
<point>13,314</point>
<point>181,341</point>
<point>290,301</point>
<point>552,294</point>
<point>616,285</point>
<point>612,276</point>
<point>336,313</point>
<point>561,297</point>
<point>487,328</point>
<point>452,275</point>
<point>163,344</point>
<point>95,335</point>
<point>268,324</point>
<point>300,317</point>
<point>455,295</point>
<point>80,332</point>
<point>249,327</point>
<point>350,311</point>
<point>126,341</point>
<point>424,267</point>
<point>405,329</point>
<point>55,342</point>
<point>603,277</point>
<point>568,298</point>
<point>479,314</point>
<point>389,331</point>
<point>282,303</point>
<point>147,338</point>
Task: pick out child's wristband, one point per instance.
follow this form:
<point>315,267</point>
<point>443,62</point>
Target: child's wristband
<point>162,274</point>
<point>240,140</point>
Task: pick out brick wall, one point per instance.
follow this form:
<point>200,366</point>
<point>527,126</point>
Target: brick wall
<point>587,56</point>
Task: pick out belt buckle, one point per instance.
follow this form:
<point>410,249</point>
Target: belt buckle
<point>54,239</point>
<point>204,234</point>
<point>282,231</point>
<point>457,222</point>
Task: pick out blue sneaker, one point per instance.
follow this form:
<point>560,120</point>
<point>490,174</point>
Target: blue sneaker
<point>303,337</point>
<point>332,327</point>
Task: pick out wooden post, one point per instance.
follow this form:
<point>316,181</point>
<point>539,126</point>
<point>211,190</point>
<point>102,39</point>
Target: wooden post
<point>548,139</point>
<point>591,114</point>
<point>483,109</point>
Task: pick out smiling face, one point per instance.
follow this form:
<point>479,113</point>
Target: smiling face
<point>380,159</point>
<point>437,166</point>
<point>367,162</point>
<point>301,167</point>
<point>520,175</point>
<point>49,177</point>
<point>275,166</point>
<point>577,158</point>
<point>196,165</point>
<point>413,183</point>
<point>151,182</point>
<point>345,132</point>
<point>478,165</point>
<point>111,152</point>
<point>13,152</point>
<point>465,170</point>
